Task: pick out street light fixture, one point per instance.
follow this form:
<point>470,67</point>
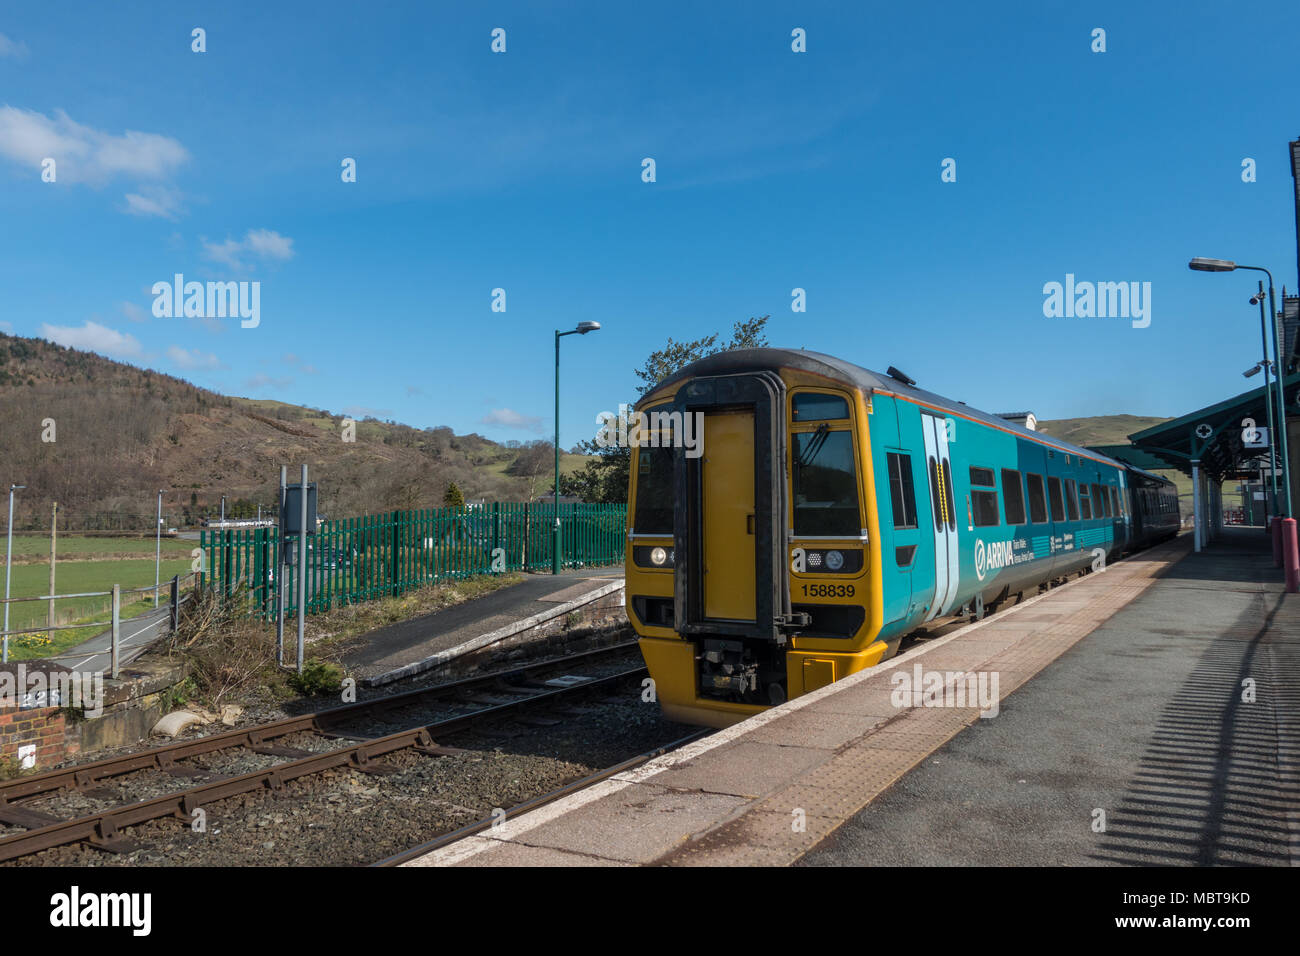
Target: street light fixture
<point>1202,264</point>
<point>582,329</point>
<point>9,550</point>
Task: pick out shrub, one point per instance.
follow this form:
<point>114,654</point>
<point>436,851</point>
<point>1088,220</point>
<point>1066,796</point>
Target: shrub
<point>317,677</point>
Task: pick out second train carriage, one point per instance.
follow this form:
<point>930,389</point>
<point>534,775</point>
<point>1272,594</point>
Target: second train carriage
<point>832,511</point>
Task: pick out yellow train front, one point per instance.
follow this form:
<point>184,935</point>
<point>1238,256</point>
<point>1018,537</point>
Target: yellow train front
<point>792,516</point>
<point>751,533</point>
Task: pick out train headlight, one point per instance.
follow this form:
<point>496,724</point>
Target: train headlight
<point>834,560</point>
<point>658,556</point>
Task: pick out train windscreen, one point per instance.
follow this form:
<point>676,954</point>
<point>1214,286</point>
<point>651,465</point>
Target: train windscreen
<point>825,484</point>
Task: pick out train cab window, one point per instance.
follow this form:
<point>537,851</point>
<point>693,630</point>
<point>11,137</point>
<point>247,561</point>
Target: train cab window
<point>1013,495</point>
<point>902,493</point>
<point>825,484</point>
<point>1071,501</point>
<point>1100,502</point>
<point>654,491</point>
<point>815,407</point>
<point>984,501</point>
<point>1055,497</point>
<point>1037,499</point>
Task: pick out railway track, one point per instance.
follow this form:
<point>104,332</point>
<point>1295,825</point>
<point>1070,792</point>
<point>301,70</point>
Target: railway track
<point>513,693</point>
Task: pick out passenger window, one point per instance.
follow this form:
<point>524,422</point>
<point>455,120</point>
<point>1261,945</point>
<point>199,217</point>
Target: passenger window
<point>982,476</point>
<point>1071,501</point>
<point>1013,494</point>
<point>1058,502</point>
<point>902,493</point>
<point>814,407</point>
<point>1085,507</point>
<point>1037,500</point>
<point>1100,503</point>
<point>984,507</point>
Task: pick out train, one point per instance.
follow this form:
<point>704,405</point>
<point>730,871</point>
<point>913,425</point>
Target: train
<point>793,516</point>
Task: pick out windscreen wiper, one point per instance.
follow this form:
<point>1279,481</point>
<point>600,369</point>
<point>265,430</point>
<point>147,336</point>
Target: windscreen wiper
<point>814,446</point>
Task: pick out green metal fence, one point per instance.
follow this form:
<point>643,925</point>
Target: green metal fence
<point>360,559</point>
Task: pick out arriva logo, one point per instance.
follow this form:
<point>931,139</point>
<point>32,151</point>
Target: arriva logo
<point>991,557</point>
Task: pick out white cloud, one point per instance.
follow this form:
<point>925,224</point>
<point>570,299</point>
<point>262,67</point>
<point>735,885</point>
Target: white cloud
<point>13,48</point>
<point>509,418</point>
<point>260,381</point>
<point>161,201</point>
<point>93,337</point>
<point>288,358</point>
<point>134,312</point>
<point>192,358</point>
<point>7,327</point>
<point>263,244</point>
<point>84,154</point>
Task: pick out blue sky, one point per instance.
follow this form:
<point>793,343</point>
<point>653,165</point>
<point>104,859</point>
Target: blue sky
<point>522,170</point>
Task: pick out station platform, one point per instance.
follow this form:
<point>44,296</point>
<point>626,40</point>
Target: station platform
<point>420,644</point>
<point>1146,714</point>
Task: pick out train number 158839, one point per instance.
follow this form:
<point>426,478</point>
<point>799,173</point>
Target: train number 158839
<point>828,590</point>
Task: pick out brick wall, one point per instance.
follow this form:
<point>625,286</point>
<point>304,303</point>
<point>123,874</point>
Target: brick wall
<point>44,728</point>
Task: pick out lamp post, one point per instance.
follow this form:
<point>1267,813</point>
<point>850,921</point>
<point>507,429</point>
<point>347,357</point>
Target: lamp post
<point>9,550</point>
<point>1201,264</point>
<point>157,549</point>
<point>582,329</point>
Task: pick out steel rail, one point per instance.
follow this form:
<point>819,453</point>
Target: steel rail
<point>87,775</point>
<point>102,829</point>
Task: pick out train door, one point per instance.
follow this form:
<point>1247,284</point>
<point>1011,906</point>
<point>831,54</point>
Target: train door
<point>938,462</point>
<point>727,491</point>
<point>901,471</point>
<point>1125,516</point>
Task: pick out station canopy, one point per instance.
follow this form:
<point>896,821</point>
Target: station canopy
<point>1217,436</point>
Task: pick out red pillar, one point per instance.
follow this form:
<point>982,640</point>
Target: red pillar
<point>1291,555</point>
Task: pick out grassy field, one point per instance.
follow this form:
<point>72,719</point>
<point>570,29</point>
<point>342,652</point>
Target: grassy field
<point>76,577</point>
<point>75,547</point>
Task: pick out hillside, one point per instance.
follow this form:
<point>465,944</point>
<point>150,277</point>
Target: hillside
<point>1099,430</point>
<point>120,433</point>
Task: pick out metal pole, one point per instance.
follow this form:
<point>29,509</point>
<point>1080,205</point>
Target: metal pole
<point>117,615</point>
<point>1281,397</point>
<point>9,550</point>
<point>157,550</point>
<point>302,568</point>
<point>1196,505</point>
<point>280,565</point>
<point>1268,398</point>
<point>555,557</point>
<point>54,533</point>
